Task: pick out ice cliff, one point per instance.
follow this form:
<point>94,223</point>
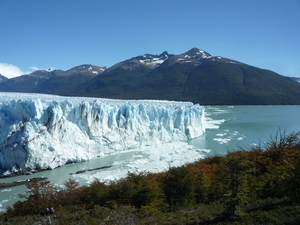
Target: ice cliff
<point>46,131</point>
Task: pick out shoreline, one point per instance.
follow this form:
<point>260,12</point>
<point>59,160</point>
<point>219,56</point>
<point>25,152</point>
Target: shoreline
<point>21,173</point>
<point>20,182</point>
<point>24,181</point>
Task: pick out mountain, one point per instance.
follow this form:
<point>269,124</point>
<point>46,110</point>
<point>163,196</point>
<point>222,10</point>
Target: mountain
<point>3,78</point>
<point>26,83</point>
<point>52,81</point>
<point>297,79</point>
<point>194,76</point>
<point>65,81</point>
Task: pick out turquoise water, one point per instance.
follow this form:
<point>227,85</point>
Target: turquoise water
<point>247,125</point>
<point>227,128</point>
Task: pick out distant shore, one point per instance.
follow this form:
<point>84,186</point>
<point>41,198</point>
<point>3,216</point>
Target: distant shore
<point>5,174</point>
<point>20,182</point>
<point>26,172</point>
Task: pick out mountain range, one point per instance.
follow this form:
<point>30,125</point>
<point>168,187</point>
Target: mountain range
<point>194,76</point>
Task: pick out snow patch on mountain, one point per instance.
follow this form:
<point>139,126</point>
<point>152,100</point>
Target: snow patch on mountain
<point>45,131</point>
<point>194,55</point>
<point>153,60</point>
<point>90,68</point>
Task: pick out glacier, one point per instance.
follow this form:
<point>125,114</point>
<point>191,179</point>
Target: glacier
<point>39,131</point>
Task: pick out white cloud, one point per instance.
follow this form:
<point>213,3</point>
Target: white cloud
<point>34,68</point>
<point>10,71</point>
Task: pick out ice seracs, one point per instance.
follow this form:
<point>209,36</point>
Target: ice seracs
<point>46,131</point>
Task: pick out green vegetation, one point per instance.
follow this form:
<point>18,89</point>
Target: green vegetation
<point>60,85</point>
<point>210,83</point>
<point>257,186</point>
<point>207,82</point>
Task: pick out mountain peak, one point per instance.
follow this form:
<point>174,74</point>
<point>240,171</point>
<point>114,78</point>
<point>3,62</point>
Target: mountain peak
<point>87,68</point>
<point>195,49</point>
<point>164,54</point>
<point>196,52</point>
<point>154,60</point>
<point>148,60</point>
<point>194,56</point>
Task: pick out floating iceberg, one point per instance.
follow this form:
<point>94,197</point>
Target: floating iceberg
<point>45,131</point>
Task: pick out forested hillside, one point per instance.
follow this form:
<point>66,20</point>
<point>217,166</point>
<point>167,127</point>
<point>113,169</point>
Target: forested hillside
<point>193,76</point>
<point>257,186</point>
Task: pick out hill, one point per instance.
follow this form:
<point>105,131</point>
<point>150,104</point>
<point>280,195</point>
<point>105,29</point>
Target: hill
<point>51,81</point>
<point>194,76</point>
<point>297,79</point>
<point>3,78</point>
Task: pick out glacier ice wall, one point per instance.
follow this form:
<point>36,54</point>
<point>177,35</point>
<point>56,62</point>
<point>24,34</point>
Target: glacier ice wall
<point>45,131</point>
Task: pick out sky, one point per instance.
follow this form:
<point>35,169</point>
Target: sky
<point>57,34</point>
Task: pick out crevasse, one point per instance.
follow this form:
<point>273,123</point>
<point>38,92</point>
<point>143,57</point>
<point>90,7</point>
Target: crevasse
<point>46,131</point>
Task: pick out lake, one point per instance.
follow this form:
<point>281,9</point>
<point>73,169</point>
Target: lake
<point>228,128</point>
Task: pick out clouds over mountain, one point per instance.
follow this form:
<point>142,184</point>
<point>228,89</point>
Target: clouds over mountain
<point>9,70</point>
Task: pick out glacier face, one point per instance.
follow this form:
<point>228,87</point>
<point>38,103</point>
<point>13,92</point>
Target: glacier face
<point>45,131</point>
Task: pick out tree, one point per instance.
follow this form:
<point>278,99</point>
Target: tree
<point>99,192</point>
<point>178,186</point>
<point>233,170</point>
<point>41,195</point>
<point>281,162</point>
<point>202,185</point>
<point>137,189</point>
<point>70,195</point>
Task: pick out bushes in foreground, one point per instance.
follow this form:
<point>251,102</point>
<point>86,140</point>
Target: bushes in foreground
<point>258,186</point>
